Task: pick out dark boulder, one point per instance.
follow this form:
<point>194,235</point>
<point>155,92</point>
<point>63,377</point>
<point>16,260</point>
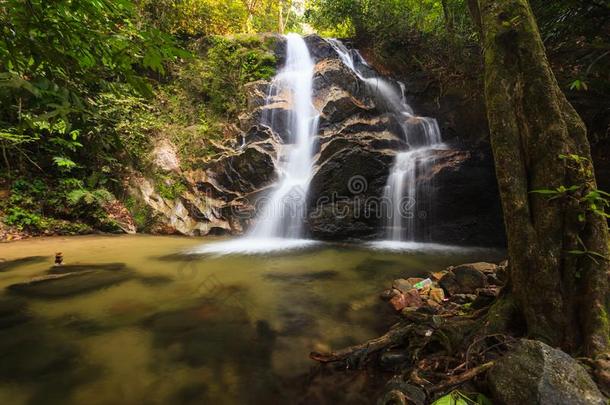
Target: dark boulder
<point>244,172</point>
<point>465,208</point>
<point>463,279</point>
<point>537,374</point>
<point>319,48</point>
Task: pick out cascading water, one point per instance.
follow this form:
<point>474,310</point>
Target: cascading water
<point>279,224</point>
<point>407,196</point>
<point>283,216</point>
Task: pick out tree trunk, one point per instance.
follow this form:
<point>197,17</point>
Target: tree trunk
<point>563,296</point>
<point>448,16</point>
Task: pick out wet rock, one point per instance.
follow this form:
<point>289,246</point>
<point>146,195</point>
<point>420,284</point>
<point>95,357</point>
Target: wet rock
<point>247,171</point>
<point>341,192</point>
<point>398,392</point>
<point>69,284</point>
<point>537,374</point>
<point>339,104</point>
<point>258,133</point>
<point>469,212</point>
<point>393,359</point>
<point>414,280</point>
<point>388,294</point>
<point>402,285</point>
<point>256,93</point>
<point>482,267</point>
<point>462,299</point>
<point>408,299</point>
<point>319,48</point>
<point>463,280</point>
<point>437,295</point>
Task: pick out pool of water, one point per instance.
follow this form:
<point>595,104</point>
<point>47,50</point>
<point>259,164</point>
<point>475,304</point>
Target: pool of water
<point>183,327</point>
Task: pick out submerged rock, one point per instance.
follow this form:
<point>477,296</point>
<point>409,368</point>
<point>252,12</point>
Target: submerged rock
<point>537,374</point>
<point>7,265</point>
<point>69,284</point>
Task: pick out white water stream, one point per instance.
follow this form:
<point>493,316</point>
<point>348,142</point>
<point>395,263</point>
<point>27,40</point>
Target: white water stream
<point>408,197</point>
<point>279,222</point>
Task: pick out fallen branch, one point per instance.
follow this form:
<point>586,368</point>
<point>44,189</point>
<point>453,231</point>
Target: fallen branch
<point>393,337</point>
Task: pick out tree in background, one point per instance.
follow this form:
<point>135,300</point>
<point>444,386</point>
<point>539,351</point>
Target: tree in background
<point>554,214</point>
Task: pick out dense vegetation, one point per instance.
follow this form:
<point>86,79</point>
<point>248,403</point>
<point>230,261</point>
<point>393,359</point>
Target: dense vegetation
<point>87,86</point>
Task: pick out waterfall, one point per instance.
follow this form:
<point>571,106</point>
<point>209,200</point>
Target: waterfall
<point>279,222</point>
<point>407,195</point>
<point>283,215</point>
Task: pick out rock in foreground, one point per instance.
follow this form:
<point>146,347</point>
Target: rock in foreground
<point>535,373</point>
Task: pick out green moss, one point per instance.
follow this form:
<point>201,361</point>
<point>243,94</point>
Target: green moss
<point>169,186</point>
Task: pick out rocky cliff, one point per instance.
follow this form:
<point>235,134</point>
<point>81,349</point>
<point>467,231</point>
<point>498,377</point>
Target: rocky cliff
<point>358,139</point>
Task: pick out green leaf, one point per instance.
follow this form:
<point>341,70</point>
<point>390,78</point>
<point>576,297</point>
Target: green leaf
<point>64,162</point>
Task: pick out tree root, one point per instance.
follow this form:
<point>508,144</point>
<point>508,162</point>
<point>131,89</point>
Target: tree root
<point>460,378</point>
<point>444,351</point>
<point>356,355</point>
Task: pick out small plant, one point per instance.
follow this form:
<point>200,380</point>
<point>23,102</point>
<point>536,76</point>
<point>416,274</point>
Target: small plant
<point>23,220</point>
<point>588,200</point>
<point>99,196</point>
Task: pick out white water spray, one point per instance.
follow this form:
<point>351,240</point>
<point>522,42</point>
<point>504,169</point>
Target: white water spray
<point>279,224</point>
<point>408,196</point>
<point>285,212</point>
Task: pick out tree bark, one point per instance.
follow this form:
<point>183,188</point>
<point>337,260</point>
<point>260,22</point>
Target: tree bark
<point>563,296</point>
<point>448,16</point>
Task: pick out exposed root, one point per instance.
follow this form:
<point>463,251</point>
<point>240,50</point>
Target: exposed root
<point>444,353</point>
<point>356,355</point>
<point>460,378</point>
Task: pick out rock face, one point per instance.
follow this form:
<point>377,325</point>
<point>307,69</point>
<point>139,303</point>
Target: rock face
<point>358,140</point>
<point>536,374</point>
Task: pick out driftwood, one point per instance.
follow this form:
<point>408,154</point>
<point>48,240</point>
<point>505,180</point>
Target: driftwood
<point>395,336</point>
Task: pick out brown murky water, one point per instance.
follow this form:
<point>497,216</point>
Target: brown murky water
<point>180,329</point>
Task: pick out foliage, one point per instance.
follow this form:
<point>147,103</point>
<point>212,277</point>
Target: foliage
<point>388,20</point>
<point>229,64</point>
<point>201,18</point>
<point>459,398</point>
<point>55,59</point>
<point>49,205</point>
<point>169,187</point>
<point>588,200</point>
<point>205,97</point>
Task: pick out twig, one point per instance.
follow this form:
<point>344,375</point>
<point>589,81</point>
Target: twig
<point>461,378</point>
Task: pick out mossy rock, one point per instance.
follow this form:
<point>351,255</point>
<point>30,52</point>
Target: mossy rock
<point>537,374</point>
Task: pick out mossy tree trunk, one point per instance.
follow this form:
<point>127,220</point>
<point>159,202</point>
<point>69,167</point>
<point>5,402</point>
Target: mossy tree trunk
<point>562,296</point>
